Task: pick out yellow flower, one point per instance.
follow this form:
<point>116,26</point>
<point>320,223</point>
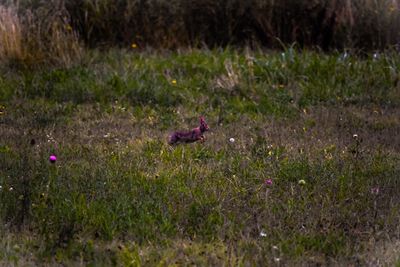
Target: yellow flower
<point>133,45</point>
<point>173,81</point>
<point>68,27</point>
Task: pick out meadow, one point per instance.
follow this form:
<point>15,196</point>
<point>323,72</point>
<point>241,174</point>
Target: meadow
<point>300,166</point>
<point>311,178</point>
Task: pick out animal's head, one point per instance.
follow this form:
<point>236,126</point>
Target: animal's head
<point>203,125</point>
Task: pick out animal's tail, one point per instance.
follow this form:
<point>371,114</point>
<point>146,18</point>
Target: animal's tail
<point>172,139</point>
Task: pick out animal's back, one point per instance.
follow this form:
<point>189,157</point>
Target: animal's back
<point>185,137</point>
<point>193,135</point>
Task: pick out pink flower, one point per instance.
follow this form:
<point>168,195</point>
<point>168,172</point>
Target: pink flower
<point>53,158</point>
<point>268,182</point>
<point>375,190</point>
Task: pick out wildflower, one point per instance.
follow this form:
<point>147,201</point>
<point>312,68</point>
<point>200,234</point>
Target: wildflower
<point>277,260</point>
<point>11,189</point>
<point>263,234</point>
<point>375,190</point>
<point>133,45</point>
<point>355,136</point>
<point>53,158</point>
<point>68,27</point>
<point>302,182</point>
<point>1,187</point>
<point>268,182</point>
<point>232,140</point>
<point>173,81</point>
<point>274,247</point>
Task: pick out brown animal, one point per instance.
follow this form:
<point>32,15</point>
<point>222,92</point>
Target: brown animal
<point>196,134</point>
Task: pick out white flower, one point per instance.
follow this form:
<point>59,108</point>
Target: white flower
<point>275,247</point>
<point>11,189</point>
<point>277,259</point>
<point>232,140</point>
<point>302,182</point>
<point>263,234</point>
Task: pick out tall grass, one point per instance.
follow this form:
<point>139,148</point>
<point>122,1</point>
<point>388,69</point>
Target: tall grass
<point>325,23</point>
<point>35,32</point>
<point>10,34</point>
<point>42,35</point>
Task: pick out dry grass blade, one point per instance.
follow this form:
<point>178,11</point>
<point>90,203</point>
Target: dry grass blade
<point>10,34</point>
<point>230,80</point>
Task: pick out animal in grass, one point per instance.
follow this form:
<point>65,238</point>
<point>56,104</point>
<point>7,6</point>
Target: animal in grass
<point>196,134</point>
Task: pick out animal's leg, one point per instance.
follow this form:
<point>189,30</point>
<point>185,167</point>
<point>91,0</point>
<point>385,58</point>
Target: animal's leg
<point>202,138</point>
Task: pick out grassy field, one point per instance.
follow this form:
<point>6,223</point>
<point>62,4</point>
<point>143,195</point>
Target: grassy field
<point>311,178</point>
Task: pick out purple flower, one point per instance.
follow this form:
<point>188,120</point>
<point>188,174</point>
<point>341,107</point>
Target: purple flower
<point>53,158</point>
<point>268,182</point>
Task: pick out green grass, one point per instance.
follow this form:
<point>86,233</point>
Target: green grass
<point>119,194</point>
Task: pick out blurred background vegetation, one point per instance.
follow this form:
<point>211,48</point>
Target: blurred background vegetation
<point>56,30</point>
